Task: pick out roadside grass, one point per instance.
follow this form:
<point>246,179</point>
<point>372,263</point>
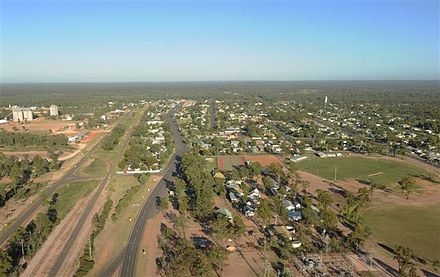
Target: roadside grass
<point>110,156</point>
<point>97,168</point>
<point>71,193</point>
<point>385,172</point>
<point>417,227</point>
<point>115,234</point>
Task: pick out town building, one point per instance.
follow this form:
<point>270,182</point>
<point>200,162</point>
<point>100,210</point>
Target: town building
<point>22,114</point>
<point>53,110</point>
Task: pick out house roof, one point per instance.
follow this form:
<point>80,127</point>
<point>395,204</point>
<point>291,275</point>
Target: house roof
<point>224,212</point>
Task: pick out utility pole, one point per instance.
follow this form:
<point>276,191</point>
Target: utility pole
<point>90,248</point>
<point>22,248</point>
<point>336,171</point>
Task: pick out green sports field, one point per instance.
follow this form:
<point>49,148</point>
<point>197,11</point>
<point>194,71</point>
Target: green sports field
<point>417,227</point>
<point>381,171</point>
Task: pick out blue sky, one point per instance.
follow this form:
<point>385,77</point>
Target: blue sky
<point>199,41</point>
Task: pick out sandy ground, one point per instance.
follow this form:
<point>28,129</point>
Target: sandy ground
<point>43,125</point>
<point>146,264</point>
<point>31,154</point>
<point>43,261</point>
<point>264,160</point>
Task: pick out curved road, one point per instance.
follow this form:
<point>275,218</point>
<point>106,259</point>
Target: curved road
<point>26,215</point>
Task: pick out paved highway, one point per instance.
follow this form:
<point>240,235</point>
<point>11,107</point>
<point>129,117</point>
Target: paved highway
<point>26,215</point>
<point>73,237</point>
<point>129,254</point>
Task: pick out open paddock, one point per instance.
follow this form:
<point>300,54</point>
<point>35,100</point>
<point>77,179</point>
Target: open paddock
<point>228,162</point>
<point>414,226</point>
<point>42,126</point>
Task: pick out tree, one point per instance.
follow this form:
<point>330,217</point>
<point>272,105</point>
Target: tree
<point>54,164</point>
<point>404,256</point>
<point>324,198</point>
<point>275,169</point>
<point>356,238</point>
<point>40,166</point>
<point>436,264</point>
<point>5,263</point>
<point>218,257</point>
<point>122,164</point>
<point>264,211</point>
<point>329,219</point>
<point>181,196</point>
<point>407,185</point>
<point>163,204</point>
<point>255,168</point>
<point>334,245</point>
<point>142,178</point>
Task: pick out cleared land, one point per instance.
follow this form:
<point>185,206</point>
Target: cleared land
<point>416,227</point>
<point>381,171</point>
<point>43,126</point>
<point>228,162</point>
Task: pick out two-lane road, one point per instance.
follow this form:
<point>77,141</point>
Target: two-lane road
<point>68,177</point>
<point>149,208</point>
<point>26,215</point>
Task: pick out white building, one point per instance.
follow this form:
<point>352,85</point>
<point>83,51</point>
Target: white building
<point>22,114</point>
<point>53,110</point>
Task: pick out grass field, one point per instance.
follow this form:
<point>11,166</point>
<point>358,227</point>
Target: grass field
<point>71,193</point>
<point>417,227</point>
<point>384,172</point>
<point>97,168</point>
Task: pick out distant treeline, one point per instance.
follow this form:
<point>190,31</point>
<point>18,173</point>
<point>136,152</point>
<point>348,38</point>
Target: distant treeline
<point>109,142</point>
<point>87,93</point>
<point>19,139</point>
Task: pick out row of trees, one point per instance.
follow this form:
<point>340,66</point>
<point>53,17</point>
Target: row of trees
<point>86,261</point>
<point>26,241</point>
<point>199,183</point>
<point>110,141</point>
<point>20,140</point>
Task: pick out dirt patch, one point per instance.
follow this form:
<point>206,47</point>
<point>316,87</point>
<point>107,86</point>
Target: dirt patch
<point>32,154</point>
<point>90,136</point>
<point>44,260</point>
<point>43,125</point>
<point>146,265</point>
<point>264,160</point>
<point>230,161</point>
